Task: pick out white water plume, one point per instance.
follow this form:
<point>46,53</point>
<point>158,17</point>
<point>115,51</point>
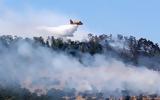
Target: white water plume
<point>60,31</point>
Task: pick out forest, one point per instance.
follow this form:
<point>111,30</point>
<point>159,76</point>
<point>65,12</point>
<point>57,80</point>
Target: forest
<point>128,49</point>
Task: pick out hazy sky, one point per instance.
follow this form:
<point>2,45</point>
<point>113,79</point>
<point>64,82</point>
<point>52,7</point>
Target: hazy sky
<point>140,18</point>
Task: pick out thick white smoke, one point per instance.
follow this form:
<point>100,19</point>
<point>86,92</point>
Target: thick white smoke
<point>42,69</point>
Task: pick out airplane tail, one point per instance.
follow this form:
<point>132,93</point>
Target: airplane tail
<point>71,22</point>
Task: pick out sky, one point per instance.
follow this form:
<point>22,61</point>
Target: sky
<point>139,18</point>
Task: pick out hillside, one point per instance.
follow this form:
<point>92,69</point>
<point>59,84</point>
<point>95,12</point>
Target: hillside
<point>141,52</point>
<point>56,68</point>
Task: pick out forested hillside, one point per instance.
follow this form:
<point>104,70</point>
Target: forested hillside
<point>141,51</point>
<point>131,51</point>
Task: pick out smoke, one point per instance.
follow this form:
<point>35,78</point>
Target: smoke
<point>38,68</point>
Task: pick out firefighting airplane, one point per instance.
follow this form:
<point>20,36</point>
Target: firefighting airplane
<point>75,22</point>
<point>62,30</point>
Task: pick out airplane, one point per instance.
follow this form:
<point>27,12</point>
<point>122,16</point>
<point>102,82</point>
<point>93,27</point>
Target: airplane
<point>75,22</point>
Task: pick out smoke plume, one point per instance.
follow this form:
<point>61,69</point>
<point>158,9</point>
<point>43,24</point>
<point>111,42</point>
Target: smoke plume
<point>39,68</point>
